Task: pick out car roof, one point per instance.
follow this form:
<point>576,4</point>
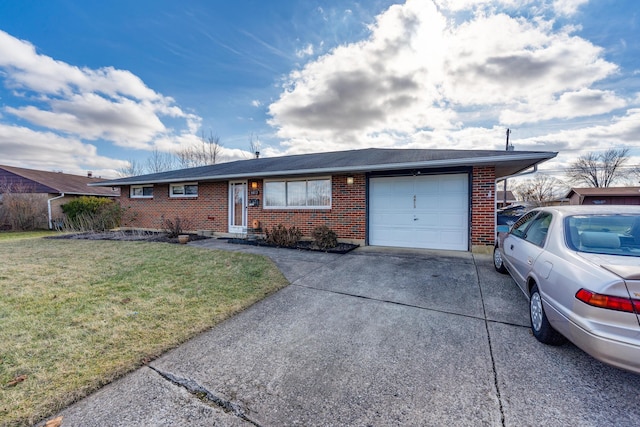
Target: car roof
<point>594,209</point>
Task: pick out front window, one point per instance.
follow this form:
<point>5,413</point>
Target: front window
<point>183,190</point>
<point>141,191</point>
<point>299,193</point>
<point>533,227</point>
<point>615,234</point>
<point>537,232</point>
<point>520,227</point>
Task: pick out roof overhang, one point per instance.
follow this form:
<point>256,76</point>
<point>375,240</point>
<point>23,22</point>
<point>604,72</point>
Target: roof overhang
<point>505,165</point>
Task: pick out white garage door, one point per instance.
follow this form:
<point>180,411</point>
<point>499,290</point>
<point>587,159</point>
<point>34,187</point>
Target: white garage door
<point>424,211</point>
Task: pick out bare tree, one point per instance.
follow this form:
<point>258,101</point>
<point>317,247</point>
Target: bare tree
<point>538,190</point>
<point>598,169</point>
<point>133,169</point>
<point>207,152</point>
<point>160,162</point>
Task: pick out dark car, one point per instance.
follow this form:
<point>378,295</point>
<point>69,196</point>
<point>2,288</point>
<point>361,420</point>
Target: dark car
<point>509,215</point>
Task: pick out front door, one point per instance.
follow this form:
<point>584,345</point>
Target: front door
<point>238,207</point>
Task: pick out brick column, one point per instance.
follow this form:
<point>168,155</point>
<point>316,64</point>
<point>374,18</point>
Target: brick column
<point>482,209</point>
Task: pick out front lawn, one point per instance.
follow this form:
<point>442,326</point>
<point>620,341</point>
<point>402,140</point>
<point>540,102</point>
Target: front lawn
<point>77,314</point>
<point>16,235</point>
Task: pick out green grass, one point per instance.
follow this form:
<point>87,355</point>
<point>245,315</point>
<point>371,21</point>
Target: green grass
<point>77,314</point>
<point>17,235</point>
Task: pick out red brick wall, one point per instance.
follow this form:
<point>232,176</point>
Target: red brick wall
<point>209,211</point>
<point>483,206</point>
<point>347,216</point>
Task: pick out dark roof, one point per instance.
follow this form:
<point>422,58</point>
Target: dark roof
<point>606,191</point>
<point>36,181</point>
<point>500,195</point>
<point>367,160</point>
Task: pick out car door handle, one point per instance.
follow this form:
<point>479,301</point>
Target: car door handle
<point>530,261</point>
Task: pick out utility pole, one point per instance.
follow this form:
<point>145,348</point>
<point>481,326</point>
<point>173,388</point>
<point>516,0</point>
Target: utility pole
<point>508,132</point>
<point>504,192</point>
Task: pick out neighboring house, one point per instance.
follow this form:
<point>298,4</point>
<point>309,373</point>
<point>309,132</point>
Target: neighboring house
<point>439,199</point>
<point>50,190</point>
<point>604,196</point>
<point>500,199</point>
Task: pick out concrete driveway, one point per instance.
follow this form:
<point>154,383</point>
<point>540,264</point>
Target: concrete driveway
<point>376,337</point>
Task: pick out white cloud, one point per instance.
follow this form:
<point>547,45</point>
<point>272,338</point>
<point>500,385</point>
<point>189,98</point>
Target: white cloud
<point>256,103</point>
<point>567,7</point>
<point>559,7</point>
<point>581,103</point>
<point>306,51</point>
<point>424,79</point>
<point>48,151</point>
<point>91,104</point>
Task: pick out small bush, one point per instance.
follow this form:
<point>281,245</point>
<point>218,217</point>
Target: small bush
<point>90,213</point>
<point>324,237</point>
<point>283,236</point>
<point>175,227</point>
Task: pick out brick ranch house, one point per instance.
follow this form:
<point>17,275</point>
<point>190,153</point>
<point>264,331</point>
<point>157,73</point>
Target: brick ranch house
<point>436,199</point>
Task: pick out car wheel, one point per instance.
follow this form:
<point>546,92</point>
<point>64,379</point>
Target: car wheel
<point>540,326</point>
<point>498,264</point>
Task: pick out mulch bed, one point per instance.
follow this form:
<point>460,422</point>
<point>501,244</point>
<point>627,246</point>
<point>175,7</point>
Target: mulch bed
<point>149,236</point>
<point>304,245</point>
<point>128,235</point>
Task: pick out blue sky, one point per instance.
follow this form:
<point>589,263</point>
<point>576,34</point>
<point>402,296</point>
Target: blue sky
<point>94,85</point>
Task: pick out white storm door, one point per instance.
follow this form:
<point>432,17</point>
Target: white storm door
<point>238,207</point>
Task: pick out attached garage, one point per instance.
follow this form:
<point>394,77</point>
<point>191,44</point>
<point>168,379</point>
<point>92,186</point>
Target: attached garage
<point>420,198</point>
<point>422,211</point>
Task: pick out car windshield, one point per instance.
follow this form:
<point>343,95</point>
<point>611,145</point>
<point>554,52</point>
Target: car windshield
<point>604,234</point>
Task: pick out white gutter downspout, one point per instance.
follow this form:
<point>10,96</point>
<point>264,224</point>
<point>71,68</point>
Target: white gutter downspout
<point>495,213</point>
<point>49,209</point>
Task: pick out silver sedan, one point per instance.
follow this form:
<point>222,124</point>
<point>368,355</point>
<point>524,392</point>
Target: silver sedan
<point>579,266</point>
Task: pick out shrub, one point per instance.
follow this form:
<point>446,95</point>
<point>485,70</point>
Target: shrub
<point>324,237</point>
<point>283,236</point>
<point>24,211</point>
<point>21,208</point>
<point>90,213</point>
<point>175,227</point>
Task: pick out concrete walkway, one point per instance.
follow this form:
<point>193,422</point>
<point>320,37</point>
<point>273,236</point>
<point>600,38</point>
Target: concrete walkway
<point>376,337</point>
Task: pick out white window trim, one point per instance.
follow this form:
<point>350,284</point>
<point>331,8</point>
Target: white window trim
<point>182,184</point>
<point>133,196</point>
<point>286,180</point>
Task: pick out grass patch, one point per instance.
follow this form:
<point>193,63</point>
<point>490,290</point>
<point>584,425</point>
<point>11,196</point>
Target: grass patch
<point>77,314</point>
<point>18,235</point>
